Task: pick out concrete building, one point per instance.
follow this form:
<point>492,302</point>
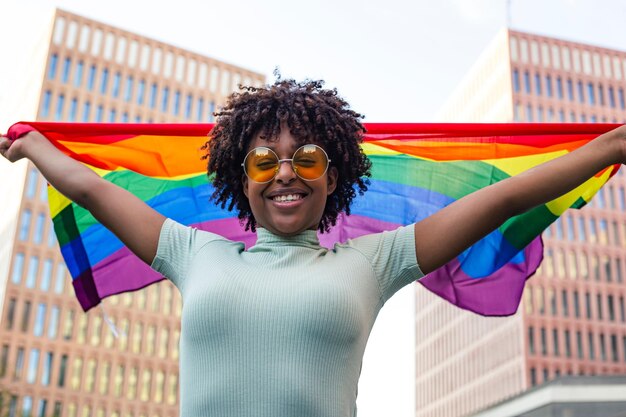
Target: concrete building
<point>55,360</point>
<point>572,320</point>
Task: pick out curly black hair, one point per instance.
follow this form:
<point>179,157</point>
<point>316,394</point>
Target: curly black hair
<point>312,114</point>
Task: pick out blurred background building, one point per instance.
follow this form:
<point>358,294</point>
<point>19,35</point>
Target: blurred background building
<point>572,318</point>
<point>54,359</point>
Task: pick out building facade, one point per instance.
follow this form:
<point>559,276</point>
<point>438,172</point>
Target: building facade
<point>56,360</point>
<point>572,317</point>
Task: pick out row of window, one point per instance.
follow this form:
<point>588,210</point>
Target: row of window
<point>27,408</point>
<point>591,93</point>
<point>82,375</point>
<point>577,265</point>
<point>201,111</point>
<point>40,225</point>
<point>588,230</point>
<point>557,373</point>
<point>608,65</point>
<point>141,339</point>
<point>34,179</point>
<point>542,301</point>
<point>45,282</point>
<point>585,343</point>
<point>145,57</point>
<point>531,114</point>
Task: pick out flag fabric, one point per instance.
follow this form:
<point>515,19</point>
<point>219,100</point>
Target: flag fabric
<point>417,169</point>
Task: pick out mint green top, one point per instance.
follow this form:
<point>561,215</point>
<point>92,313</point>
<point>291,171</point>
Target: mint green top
<point>278,330</point>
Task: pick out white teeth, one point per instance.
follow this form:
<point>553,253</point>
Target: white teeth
<point>288,197</point>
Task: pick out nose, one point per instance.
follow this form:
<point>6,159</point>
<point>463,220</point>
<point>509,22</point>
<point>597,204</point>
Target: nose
<point>285,173</point>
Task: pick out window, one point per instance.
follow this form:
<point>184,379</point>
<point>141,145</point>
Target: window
<point>91,78</point>
<point>103,384</point>
<point>516,84</point>
<point>141,91</point>
<point>176,108</point>
<point>68,325</point>
<point>620,94</point>
<point>112,114</point>
<point>602,347</point>
<point>599,305</point>
<point>57,409</point>
<point>67,66</point>
<point>45,104</point>
<point>611,97</point>
<point>99,113</point>
<point>164,99</point>
<point>564,304</point>
<point>548,86</point>
<point>576,305</point>
<point>77,369</point>
<point>124,117</point>
<point>41,408</point>
<point>33,365</point>
<point>570,90</point>
<point>559,88</point>
<point>600,94</point>
<point>531,340</point>
<point>592,350</point>
<point>52,66</point>
<point>188,103</point>
<point>199,109</point>
<point>537,84</point>
<point>555,341</point>
<point>40,318</point>
<point>128,92</point>
<point>4,359</point>
<point>581,93</point>
<point>54,322</point>
<point>60,278</point>
<point>529,113</point>
<point>86,111</point>
<point>18,268</point>
<point>104,81</point>
<point>568,347</point>
<point>544,343</point>
<point>58,114</point>
<point>27,406</point>
<point>579,344</point>
<point>73,110</point>
<point>46,275</point>
<point>588,304</point>
<point>153,95</point>
<point>78,77</point>
<point>614,357</point>
<point>211,111</point>
<point>11,313</point>
<point>117,79</point>
<point>33,266</point>
<point>62,371</point>
<point>19,364</point>
<point>591,96</point>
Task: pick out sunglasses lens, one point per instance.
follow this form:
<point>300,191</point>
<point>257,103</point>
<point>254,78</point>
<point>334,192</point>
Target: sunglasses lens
<point>310,162</point>
<point>261,164</point>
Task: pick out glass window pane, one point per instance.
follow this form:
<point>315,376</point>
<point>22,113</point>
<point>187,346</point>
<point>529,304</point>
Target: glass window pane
<point>18,268</point>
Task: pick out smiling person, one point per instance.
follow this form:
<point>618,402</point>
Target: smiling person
<point>280,329</point>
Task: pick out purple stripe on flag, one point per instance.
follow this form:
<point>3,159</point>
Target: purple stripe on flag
<point>496,295</point>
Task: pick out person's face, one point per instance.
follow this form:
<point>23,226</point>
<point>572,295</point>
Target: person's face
<point>287,218</point>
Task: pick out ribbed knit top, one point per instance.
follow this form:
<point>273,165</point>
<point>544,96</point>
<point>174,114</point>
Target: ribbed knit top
<point>278,330</point>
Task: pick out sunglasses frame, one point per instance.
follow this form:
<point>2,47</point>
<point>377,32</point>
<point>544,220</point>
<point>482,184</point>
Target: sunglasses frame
<point>280,161</point>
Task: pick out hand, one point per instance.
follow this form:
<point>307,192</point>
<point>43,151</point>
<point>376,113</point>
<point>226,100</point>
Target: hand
<point>14,150</point>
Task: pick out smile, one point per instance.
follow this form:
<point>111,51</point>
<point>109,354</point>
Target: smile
<point>288,197</point>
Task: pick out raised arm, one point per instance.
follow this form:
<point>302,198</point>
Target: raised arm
<point>444,235</point>
<point>130,219</point>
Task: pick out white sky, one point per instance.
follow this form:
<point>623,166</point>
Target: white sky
<point>394,61</point>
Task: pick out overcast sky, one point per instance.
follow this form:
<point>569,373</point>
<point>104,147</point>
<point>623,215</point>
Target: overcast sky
<point>394,60</point>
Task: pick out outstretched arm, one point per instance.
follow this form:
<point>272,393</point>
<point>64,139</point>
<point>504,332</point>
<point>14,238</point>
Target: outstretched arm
<point>444,235</point>
<point>130,219</point>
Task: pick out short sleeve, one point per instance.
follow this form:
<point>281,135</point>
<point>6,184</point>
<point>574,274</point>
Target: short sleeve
<point>178,244</point>
<point>392,256</point>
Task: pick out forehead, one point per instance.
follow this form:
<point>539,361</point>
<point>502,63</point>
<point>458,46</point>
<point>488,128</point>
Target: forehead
<point>285,141</point>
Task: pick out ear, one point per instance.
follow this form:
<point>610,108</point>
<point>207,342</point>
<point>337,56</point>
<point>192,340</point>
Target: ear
<point>332,177</point>
<point>244,182</point>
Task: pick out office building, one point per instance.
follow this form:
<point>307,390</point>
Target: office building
<point>54,359</point>
<point>572,317</point>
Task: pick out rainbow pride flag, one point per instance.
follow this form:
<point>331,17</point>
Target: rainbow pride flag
<point>417,170</point>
